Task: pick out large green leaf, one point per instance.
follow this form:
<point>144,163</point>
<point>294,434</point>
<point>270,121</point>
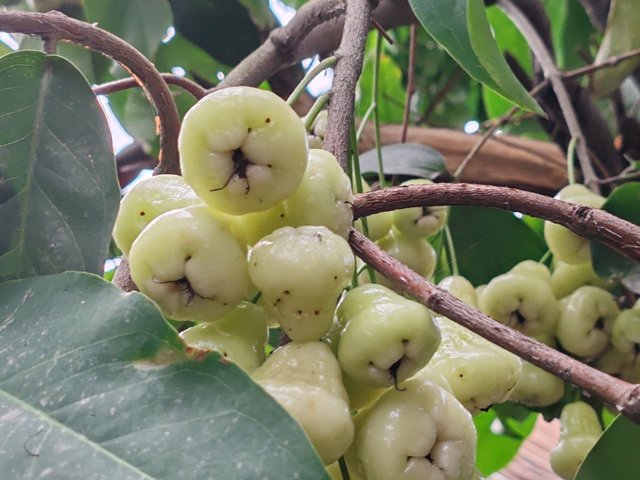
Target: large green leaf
<point>615,455</point>
<point>489,242</point>
<point>461,27</point>
<point>410,159</point>
<point>499,438</point>
<point>58,187</point>
<point>94,383</point>
<point>624,202</point>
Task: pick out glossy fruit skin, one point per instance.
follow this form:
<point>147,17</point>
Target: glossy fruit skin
<point>523,302</point>
<point>324,196</point>
<point>567,278</point>
<point>565,245</point>
<point>422,432</point>
<point>579,432</point>
<point>239,336</point>
<point>301,273</point>
<point>586,321</point>
<point>242,150</point>
<point>378,224</point>
<point>625,335</point>
<point>419,222</point>
<point>145,201</point>
<point>536,387</point>
<point>305,379</point>
<point>190,263</point>
<point>384,335</point>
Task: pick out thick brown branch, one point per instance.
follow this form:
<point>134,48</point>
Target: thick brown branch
<point>190,86</point>
<point>590,223</point>
<point>350,56</point>
<point>622,395</point>
<point>62,28</point>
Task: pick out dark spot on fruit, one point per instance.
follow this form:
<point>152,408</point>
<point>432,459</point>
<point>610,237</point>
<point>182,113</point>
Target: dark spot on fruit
<point>335,277</point>
<point>255,264</point>
<point>461,375</point>
<point>299,312</point>
<point>188,258</point>
<point>268,120</point>
<point>316,312</point>
<point>269,165</point>
<point>142,214</point>
<point>249,130</point>
<point>286,292</point>
<point>224,353</point>
<point>282,215</point>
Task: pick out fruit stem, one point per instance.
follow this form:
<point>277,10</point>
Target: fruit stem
<point>256,296</point>
<point>571,154</point>
<point>315,109</point>
<point>311,74</point>
<point>452,251</point>
<point>374,101</point>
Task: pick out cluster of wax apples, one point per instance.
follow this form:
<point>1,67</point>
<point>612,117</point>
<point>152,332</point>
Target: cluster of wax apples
<point>368,374</point>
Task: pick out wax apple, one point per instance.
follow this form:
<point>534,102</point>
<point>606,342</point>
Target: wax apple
<point>537,387</point>
<point>567,278</point>
<point>419,222</point>
<point>242,149</point>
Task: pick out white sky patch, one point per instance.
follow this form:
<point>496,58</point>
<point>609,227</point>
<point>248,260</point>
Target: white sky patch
<point>171,32</point>
<point>179,71</point>
<point>472,126</point>
<point>9,40</point>
<point>119,136</point>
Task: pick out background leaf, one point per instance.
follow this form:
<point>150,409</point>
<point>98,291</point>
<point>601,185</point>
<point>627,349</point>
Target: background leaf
<point>86,369</point>
<point>489,242</point>
<point>624,202</point>
<point>409,159</point>
<point>615,455</point>
<point>58,188</point>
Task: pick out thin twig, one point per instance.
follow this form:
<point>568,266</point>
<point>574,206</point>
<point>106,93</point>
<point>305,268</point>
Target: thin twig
<point>555,77</point>
<point>411,87</point>
<point>347,70</point>
<point>381,31</point>
<point>196,90</point>
<point>610,62</point>
<point>591,223</point>
<point>625,397</point>
<point>441,94</point>
<point>57,25</point>
<point>309,76</point>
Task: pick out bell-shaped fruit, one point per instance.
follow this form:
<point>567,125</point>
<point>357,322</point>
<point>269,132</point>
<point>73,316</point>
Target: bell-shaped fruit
<point>625,335</point>
<point>386,338</point>
<point>145,201</point>
<point>240,336</point>
<point>537,387</point>
<point>242,149</point>
<point>301,272</point>
<point>189,262</point>
<point>305,379</point>
<point>378,224</point>
<point>567,278</point>
<point>579,432</point>
<point>419,222</point>
<point>421,432</point>
<point>586,321</point>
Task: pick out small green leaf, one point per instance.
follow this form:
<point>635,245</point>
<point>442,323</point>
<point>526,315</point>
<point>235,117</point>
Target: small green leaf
<point>94,383</point>
<point>489,242</point>
<point>461,27</point>
<point>410,159</point>
<point>615,455</point>
<point>58,187</point>
<point>623,202</point>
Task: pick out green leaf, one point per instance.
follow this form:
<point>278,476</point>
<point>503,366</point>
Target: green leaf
<point>410,159</point>
<point>489,242</point>
<point>461,27</point>
<point>615,455</point>
<point>623,202</point>
<point>58,187</point>
<point>94,383</point>
<point>499,438</point>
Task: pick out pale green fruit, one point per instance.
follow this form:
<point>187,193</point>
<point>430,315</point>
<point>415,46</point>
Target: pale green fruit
<point>301,272</point>
<point>324,196</point>
<point>478,372</point>
<point>386,338</point>
<point>586,321</point>
<point>145,201</point>
<point>419,222</point>
<point>537,387</point>
<point>461,288</point>
<point>305,379</point>
<point>415,253</point>
<point>566,278</point>
<point>625,335</point>
<point>320,124</point>
<point>314,142</point>
<point>526,304</point>
<point>532,269</point>
<point>242,149</point>
<point>422,432</point>
<point>565,245</point>
<point>257,225</point>
<point>579,432</point>
<point>378,224</point>
<point>190,263</point>
<point>240,336</point>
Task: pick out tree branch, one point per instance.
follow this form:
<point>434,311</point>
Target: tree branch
<point>348,67</point>
<point>591,223</point>
<point>539,48</point>
<point>625,397</point>
<point>190,86</point>
<point>62,28</point>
